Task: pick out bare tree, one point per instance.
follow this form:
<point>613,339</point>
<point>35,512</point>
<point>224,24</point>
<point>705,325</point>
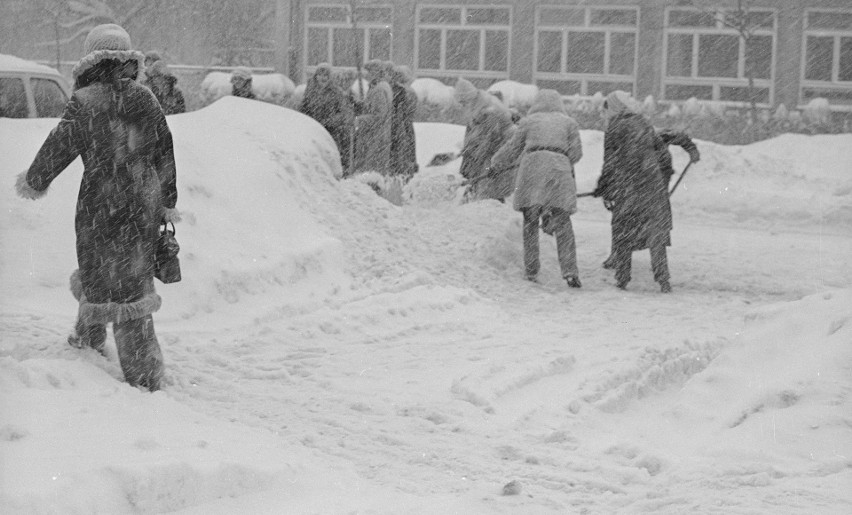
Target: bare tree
<point>745,22</point>
<point>80,16</point>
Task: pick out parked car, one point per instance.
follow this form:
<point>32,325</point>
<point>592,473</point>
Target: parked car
<point>31,90</point>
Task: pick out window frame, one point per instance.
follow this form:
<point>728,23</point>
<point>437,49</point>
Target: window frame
<point>717,84</point>
<point>480,28</point>
<point>835,84</point>
<point>329,26</point>
<point>584,79</point>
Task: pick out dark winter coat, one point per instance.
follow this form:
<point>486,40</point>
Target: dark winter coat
<point>661,144</point>
<point>171,100</point>
<point>373,130</point>
<point>119,130</point>
<point>327,105</point>
<point>245,92</point>
<point>632,182</point>
<point>490,124</point>
<point>548,141</point>
<point>403,145</point>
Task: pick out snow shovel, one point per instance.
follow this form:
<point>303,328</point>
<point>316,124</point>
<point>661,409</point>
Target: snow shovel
<point>685,169</point>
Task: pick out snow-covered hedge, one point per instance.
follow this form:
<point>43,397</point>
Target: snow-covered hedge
<point>269,87</point>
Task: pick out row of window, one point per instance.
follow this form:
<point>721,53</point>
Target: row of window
<point>582,50</point>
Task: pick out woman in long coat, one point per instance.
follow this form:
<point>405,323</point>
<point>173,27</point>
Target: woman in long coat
<point>373,124</point>
<point>632,185</point>
<point>325,103</point>
<point>403,144</point>
<point>127,190</point>
<point>548,143</point>
<point>489,122</point>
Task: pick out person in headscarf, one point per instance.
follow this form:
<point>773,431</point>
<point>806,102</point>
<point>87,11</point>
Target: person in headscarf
<point>489,123</point>
<point>373,123</point>
<point>163,84</point>
<point>403,144</point>
<point>325,102</point>
<point>241,83</point>
<point>663,139</point>
<point>128,189</point>
<point>633,188</point>
<point>547,141</point>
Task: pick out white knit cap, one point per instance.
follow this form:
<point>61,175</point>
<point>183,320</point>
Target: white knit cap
<point>106,37</point>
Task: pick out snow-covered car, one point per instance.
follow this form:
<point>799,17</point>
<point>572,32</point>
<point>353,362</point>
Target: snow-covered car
<point>30,90</point>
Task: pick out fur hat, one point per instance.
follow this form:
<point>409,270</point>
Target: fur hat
<point>107,41</point>
<point>620,101</point>
<point>241,72</point>
<point>402,74</point>
<point>465,90</point>
<point>152,55</point>
<point>375,65</point>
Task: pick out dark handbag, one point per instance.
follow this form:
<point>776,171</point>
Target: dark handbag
<point>166,263</point>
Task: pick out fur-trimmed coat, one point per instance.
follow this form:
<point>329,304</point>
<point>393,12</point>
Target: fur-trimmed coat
<point>373,130</point>
<point>128,181</point>
<point>632,182</point>
<point>548,143</point>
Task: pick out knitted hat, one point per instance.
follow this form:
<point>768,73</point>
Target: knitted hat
<point>108,41</point>
<point>241,72</point>
<point>402,74</point>
<point>547,101</point>
<point>465,90</point>
<point>620,101</point>
<point>323,68</point>
<point>375,65</point>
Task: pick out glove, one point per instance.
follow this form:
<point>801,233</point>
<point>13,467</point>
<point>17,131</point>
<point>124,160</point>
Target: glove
<point>694,156</point>
<point>171,215</point>
<point>608,204</point>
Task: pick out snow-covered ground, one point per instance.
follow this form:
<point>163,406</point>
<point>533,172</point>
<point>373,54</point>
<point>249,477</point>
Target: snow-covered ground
<point>329,352</point>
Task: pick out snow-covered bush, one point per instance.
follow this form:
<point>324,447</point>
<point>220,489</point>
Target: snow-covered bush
<point>433,92</point>
<point>269,87</point>
<point>818,112</point>
<point>515,94</point>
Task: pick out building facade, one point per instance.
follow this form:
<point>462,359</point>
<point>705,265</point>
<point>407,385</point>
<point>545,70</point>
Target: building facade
<point>775,51</point>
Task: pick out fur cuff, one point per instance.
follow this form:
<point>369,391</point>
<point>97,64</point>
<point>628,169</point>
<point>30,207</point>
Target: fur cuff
<point>171,215</point>
<point>24,190</point>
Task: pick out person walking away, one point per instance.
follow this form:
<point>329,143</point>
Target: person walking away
<point>488,122</point>
<point>548,143</point>
<point>241,83</point>
<point>373,123</point>
<point>632,186</point>
<point>324,102</point>
<point>163,83</point>
<point>403,142</point>
<point>663,139</point>
<point>128,188</point>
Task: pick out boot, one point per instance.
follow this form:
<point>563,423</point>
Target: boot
<point>573,282</point>
<point>665,287</point>
<point>93,336</point>
<point>139,352</point>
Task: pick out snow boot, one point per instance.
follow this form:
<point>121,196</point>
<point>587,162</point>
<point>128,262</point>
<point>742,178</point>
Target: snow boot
<point>665,287</point>
<point>139,352</point>
<point>93,336</point>
<point>573,282</point>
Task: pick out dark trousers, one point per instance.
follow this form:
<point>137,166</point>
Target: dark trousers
<point>566,247</point>
<point>623,258</point>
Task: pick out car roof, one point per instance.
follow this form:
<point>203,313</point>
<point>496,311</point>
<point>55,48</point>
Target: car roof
<point>10,63</point>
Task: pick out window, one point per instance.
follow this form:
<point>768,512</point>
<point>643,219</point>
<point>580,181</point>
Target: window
<point>468,40</point>
<point>13,98</point>
<point>827,66</point>
<point>49,98</point>
<point>707,58</point>
<point>583,50</point>
<point>332,37</point>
